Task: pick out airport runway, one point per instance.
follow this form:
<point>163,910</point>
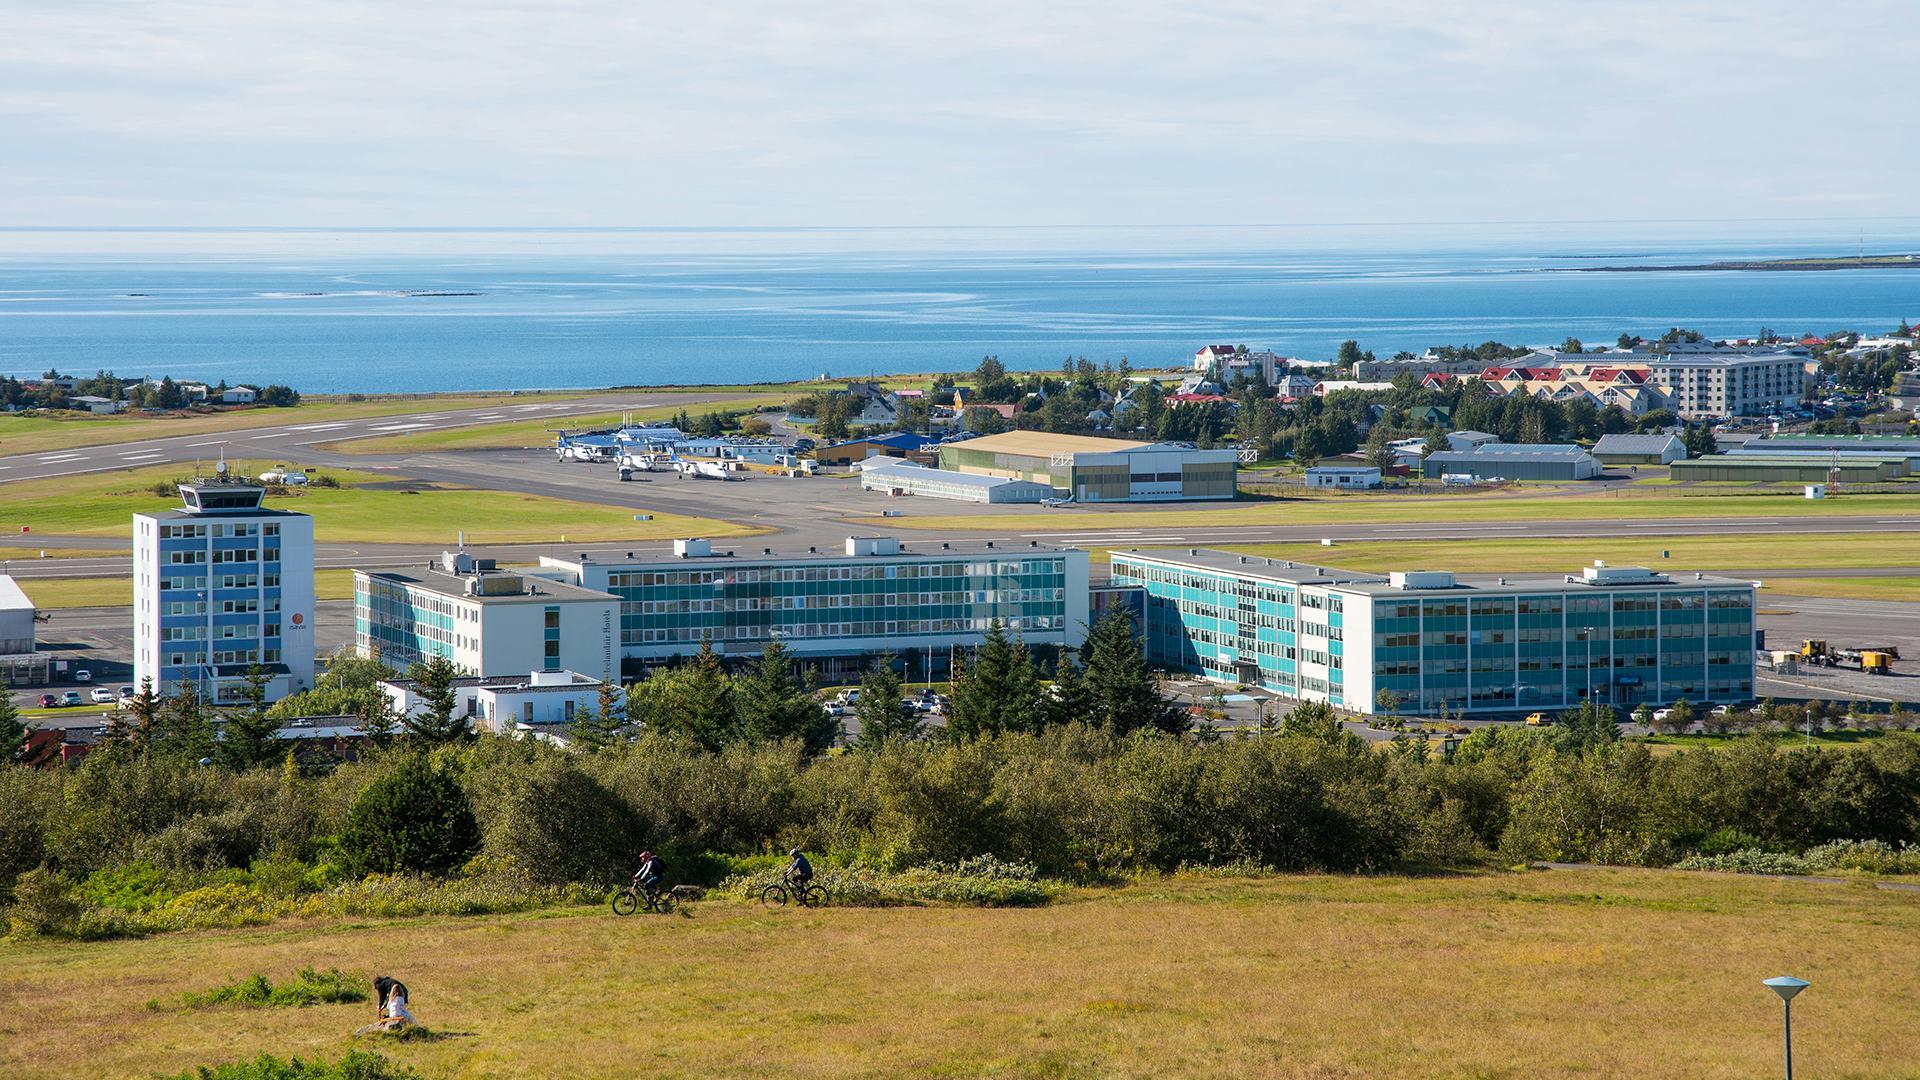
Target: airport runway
<point>279,441</point>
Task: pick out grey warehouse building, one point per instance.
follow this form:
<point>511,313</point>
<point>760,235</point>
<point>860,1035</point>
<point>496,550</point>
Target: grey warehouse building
<point>1516,461</point>
<point>897,477</point>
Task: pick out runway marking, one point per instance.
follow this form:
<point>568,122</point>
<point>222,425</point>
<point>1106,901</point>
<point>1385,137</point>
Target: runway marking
<point>322,427</point>
<point>52,458</point>
<point>142,453</point>
<point>216,442</point>
<point>399,427</point>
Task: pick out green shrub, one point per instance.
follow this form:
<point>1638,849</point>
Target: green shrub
<point>139,887</point>
<point>43,905</point>
<point>1750,861</point>
<point>416,819</point>
<point>307,987</point>
<point>356,1065</point>
<point>1867,856</point>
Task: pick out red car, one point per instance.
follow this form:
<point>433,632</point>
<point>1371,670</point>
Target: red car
<point>48,701</point>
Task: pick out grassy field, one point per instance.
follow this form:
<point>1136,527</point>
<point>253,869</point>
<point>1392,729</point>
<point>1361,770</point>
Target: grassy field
<point>1856,551</point>
<point>1543,974</point>
<point>530,432</point>
<point>1861,588</point>
<point>53,594</point>
<point>63,431</point>
<point>99,504</point>
<point>1630,504</point>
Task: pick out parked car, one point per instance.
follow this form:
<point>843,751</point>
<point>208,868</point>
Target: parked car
<point>48,701</point>
<point>1661,714</point>
<point>102,696</point>
<point>126,693</point>
<point>71,697</point>
<point>83,675</point>
<point>1537,719</point>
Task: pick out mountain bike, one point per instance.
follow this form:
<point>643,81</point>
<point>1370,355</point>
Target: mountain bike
<point>809,895</point>
<point>636,896</point>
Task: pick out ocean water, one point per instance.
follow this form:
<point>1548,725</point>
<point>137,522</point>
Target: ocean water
<point>395,310</point>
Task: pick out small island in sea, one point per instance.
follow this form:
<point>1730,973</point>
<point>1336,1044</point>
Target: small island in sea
<point>1836,262</point>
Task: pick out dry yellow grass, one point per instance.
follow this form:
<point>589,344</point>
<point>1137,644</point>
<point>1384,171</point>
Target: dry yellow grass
<point>1583,973</point>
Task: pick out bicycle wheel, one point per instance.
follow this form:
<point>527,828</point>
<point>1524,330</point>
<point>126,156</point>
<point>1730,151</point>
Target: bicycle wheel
<point>774,896</point>
<point>817,896</point>
<point>661,902</point>
<point>625,902</point>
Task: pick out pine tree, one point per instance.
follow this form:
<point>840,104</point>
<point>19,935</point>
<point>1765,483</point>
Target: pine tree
<point>996,690</point>
<point>883,717</point>
<point>774,704</point>
<point>596,728</point>
<point>185,730</point>
<point>377,719</point>
<point>250,733</point>
<point>434,722</point>
<point>13,733</point>
<point>1126,697</point>
<point>135,725</point>
<point>694,701</point>
<point>1071,702</point>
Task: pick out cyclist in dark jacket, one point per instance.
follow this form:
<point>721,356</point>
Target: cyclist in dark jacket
<point>799,871</point>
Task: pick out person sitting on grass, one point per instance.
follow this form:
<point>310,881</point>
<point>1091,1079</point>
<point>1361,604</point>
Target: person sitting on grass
<point>390,1007</point>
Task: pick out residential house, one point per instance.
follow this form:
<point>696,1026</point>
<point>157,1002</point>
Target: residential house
<point>239,395</point>
<point>93,404</point>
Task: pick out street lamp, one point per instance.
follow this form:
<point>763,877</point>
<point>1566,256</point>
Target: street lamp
<point>1787,986</point>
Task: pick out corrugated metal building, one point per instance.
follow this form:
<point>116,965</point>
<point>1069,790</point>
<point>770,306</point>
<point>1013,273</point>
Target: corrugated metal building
<point>908,478</point>
<point>1639,449</point>
<point>1516,461</point>
<point>1098,470</point>
<point>1785,469</point>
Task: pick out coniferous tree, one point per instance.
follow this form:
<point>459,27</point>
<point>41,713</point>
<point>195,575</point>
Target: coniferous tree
<point>13,733</point>
<point>775,704</point>
<point>1589,727</point>
<point>249,735</point>
<point>434,722</point>
<point>377,719</point>
<point>185,728</point>
<point>1126,697</point>
<point>694,701</point>
<point>595,729</point>
<point>884,718</point>
<point>1071,702</point>
<point>994,691</point>
<point>135,725</point>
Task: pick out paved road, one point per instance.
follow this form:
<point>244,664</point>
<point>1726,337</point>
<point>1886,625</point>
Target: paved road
<point>280,440</point>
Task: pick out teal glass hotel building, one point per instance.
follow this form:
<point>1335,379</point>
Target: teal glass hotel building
<point>1427,640</point>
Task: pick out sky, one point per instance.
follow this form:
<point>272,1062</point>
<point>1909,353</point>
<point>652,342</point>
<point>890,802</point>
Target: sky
<point>582,113</point>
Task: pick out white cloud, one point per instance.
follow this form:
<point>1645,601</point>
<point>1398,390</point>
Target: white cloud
<point>857,113</point>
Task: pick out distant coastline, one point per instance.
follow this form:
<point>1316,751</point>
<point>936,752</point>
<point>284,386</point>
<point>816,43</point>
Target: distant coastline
<point>1837,262</point>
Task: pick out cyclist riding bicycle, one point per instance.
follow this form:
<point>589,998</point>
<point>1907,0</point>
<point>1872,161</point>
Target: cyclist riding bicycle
<point>799,871</point>
<point>651,872</point>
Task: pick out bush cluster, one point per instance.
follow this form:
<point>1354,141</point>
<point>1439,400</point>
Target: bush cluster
<point>1861,856</point>
<point>356,1065</point>
<point>138,844</point>
<point>307,987</point>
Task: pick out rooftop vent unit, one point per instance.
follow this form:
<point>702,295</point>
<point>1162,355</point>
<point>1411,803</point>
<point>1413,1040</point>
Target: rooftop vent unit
<point>1421,579</point>
<point>1602,574</point>
<point>692,548</point>
<point>456,562</point>
<point>873,545</point>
